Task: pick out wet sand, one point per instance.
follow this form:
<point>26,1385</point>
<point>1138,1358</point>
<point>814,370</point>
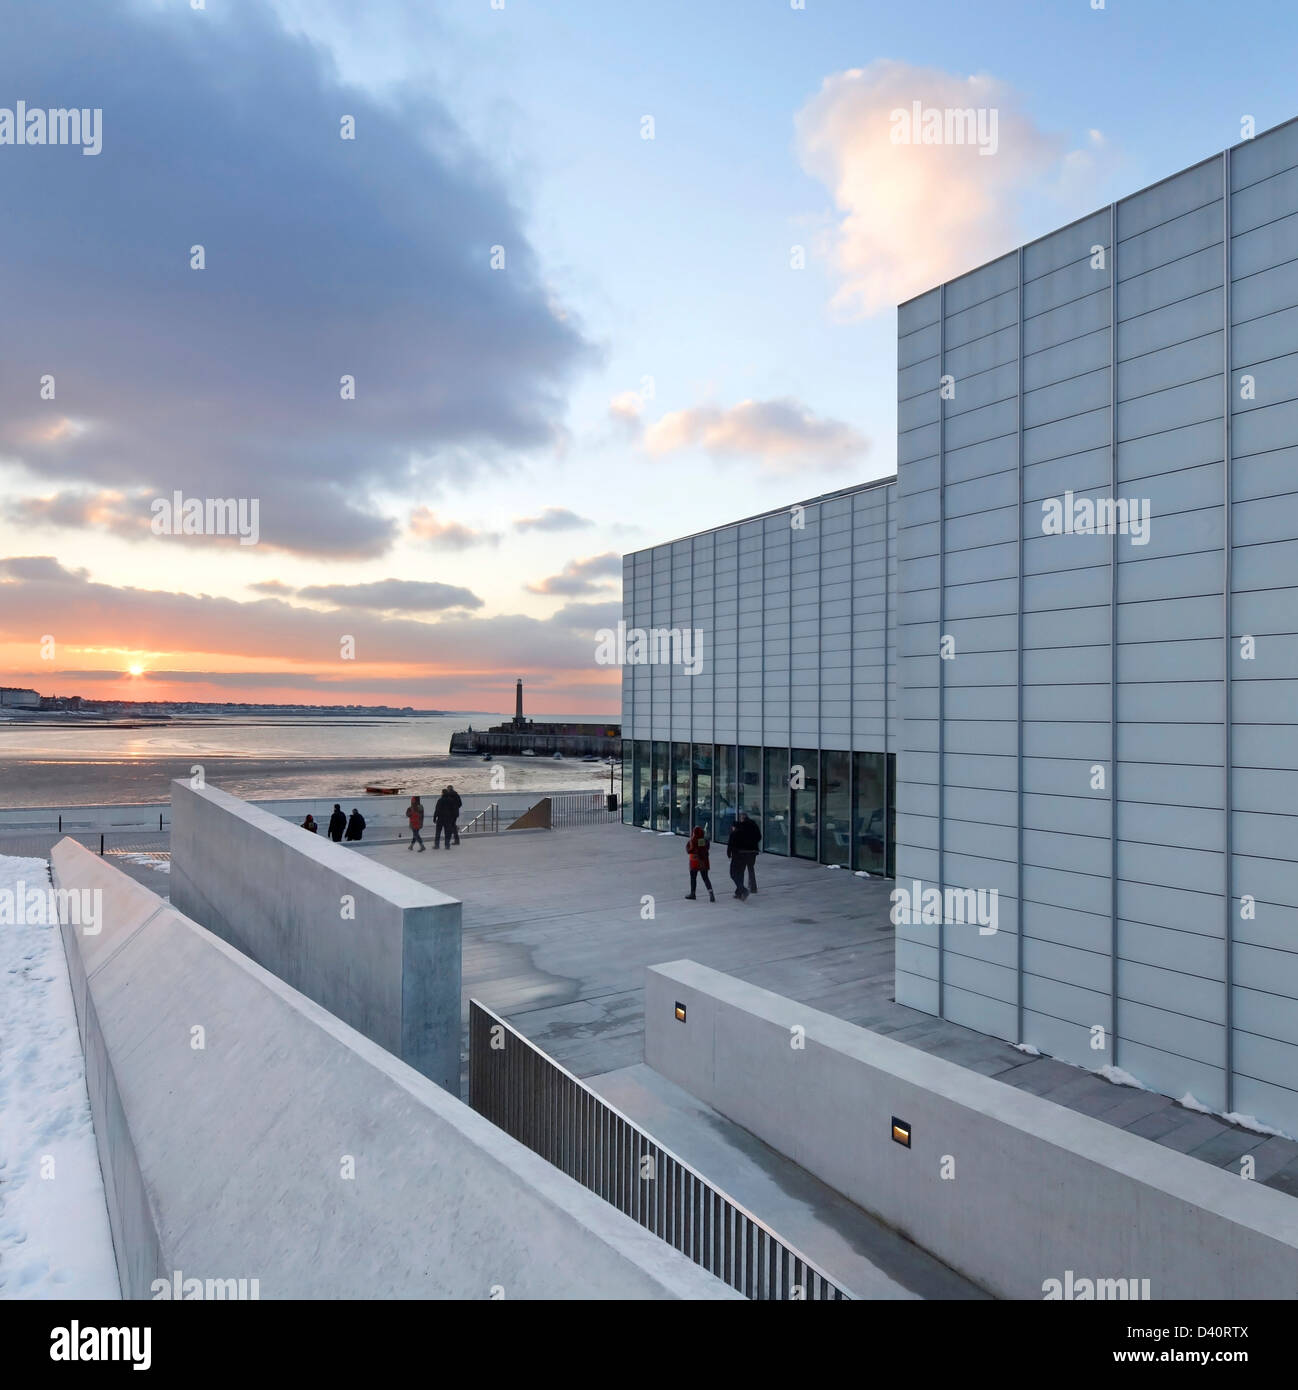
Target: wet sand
<point>113,781</point>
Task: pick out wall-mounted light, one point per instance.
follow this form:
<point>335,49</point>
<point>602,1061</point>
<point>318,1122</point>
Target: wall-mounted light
<point>900,1132</point>
<point>680,1012</point>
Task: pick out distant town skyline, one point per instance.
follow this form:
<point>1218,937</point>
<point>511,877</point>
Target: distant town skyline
<point>471,301</point>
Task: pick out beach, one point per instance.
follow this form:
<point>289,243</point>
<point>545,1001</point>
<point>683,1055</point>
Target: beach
<point>263,756</point>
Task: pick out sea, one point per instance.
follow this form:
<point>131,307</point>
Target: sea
<point>263,755</point>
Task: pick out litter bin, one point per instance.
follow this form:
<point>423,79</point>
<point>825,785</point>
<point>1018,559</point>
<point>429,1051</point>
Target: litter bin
<point>610,801</point>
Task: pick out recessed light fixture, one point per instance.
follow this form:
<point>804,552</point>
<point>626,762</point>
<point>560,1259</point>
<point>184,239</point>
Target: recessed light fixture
<point>680,1012</point>
<point>900,1132</point>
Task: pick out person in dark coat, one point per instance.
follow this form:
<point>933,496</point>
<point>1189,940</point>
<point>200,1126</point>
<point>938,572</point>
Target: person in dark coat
<point>415,815</point>
<point>454,798</point>
<point>337,824</point>
<point>696,847</point>
<point>741,848</point>
<point>309,824</point>
<point>443,820</point>
<point>355,826</point>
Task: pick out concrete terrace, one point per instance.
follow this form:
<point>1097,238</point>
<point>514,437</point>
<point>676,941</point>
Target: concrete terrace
<point>554,941</point>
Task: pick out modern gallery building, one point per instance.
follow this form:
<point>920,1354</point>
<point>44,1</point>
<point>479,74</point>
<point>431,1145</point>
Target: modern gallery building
<point>1070,623</point>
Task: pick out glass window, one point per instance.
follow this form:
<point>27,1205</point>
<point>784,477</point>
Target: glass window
<point>750,782</point>
<point>641,788</point>
<point>701,797</point>
<point>662,787</point>
<point>681,788</point>
<point>775,823</point>
<point>868,813</point>
<point>804,778</point>
<point>835,808</point>
<point>892,816</point>
<point>724,787</point>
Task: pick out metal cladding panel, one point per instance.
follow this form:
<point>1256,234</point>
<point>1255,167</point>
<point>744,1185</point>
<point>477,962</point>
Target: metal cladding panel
<point>1113,736</point>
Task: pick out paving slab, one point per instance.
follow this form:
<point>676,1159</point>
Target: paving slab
<point>559,926</point>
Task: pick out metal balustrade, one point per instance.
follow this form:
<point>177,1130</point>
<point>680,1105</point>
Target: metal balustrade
<point>538,1102</point>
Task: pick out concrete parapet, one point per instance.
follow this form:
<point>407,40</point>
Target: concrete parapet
<point>374,947</point>
<point>1010,1189</point>
<point>245,1133</point>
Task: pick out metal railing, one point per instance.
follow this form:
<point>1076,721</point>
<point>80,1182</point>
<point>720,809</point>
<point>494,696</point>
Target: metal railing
<point>38,843</point>
<point>579,808</point>
<point>538,1102</point>
<point>486,822</point>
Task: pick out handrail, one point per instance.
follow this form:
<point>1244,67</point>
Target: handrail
<point>549,1114</point>
<point>490,818</point>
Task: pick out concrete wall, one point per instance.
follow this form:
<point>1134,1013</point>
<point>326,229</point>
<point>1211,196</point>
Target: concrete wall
<point>1038,1190</point>
<point>1147,352</point>
<point>227,1160</point>
<point>391,968</point>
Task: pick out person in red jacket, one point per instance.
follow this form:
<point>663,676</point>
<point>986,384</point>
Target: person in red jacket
<point>415,815</point>
<point>697,849</point>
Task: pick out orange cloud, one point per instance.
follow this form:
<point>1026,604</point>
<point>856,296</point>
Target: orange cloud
<point>783,435</point>
<point>915,214</point>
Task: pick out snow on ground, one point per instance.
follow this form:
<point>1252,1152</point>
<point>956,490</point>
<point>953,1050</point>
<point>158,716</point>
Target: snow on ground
<point>149,861</point>
<point>54,1236</point>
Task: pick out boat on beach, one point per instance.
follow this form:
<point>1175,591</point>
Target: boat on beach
<point>382,791</point>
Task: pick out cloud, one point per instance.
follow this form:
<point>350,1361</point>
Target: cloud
<point>39,595</point>
<point>587,576</point>
<point>913,215</point>
<point>325,257</point>
<point>78,509</point>
<point>783,435</point>
<point>425,525</point>
<point>275,587</point>
<point>394,595</point>
<point>552,519</point>
<point>587,617</point>
<point>626,407</point>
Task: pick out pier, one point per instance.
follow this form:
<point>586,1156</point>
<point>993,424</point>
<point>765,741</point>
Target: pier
<point>522,735</point>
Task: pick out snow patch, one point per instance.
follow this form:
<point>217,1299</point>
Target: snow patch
<point>1191,1103</point>
<point>1252,1122</point>
<point>1120,1077</point>
<point>54,1235</point>
<point>149,861</point>
<point>1028,1048</point>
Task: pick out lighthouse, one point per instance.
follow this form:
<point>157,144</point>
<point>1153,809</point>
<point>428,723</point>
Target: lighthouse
<point>518,704</point>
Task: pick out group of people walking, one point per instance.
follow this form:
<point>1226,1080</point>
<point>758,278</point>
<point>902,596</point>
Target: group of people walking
<point>741,849</point>
<point>341,827</point>
<point>446,814</point>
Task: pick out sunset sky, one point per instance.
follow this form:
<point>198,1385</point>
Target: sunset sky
<point>684,329</point>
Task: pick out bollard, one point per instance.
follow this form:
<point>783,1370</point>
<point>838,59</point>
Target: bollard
<point>101,844</point>
<point>60,822</point>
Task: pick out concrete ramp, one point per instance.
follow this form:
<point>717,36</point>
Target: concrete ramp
<point>247,1134</point>
<point>847,1243</point>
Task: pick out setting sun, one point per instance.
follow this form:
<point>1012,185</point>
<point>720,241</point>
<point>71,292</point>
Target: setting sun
<point>136,670</point>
